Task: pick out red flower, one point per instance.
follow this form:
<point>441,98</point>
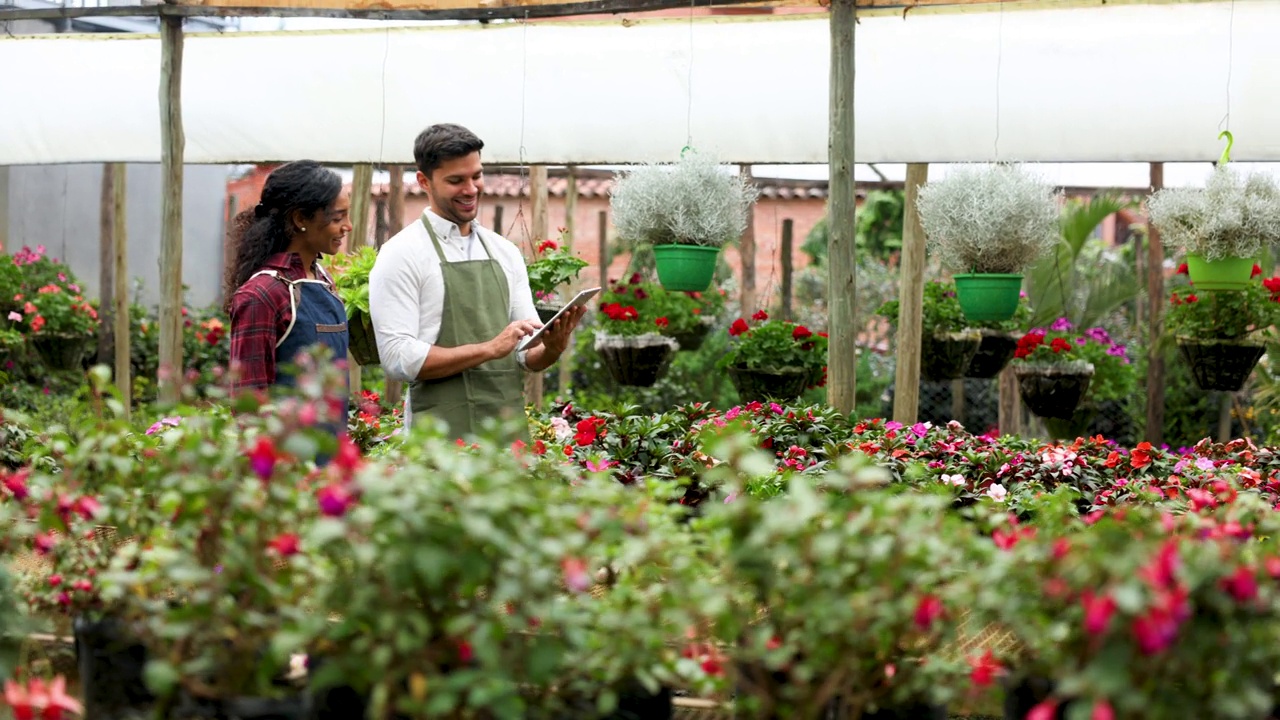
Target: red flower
<point>1241,585</point>
<point>738,327</point>
<point>760,316</point>
<point>1182,270</point>
<point>662,322</point>
<point>800,333</point>
<point>539,447</point>
<point>16,483</point>
<point>928,609</point>
<point>464,652</point>
<point>286,544</point>
<point>588,430</point>
<point>1192,298</point>
<point>1141,456</point>
<point>546,245</point>
<point>1060,345</point>
<point>334,500</point>
<point>348,458</point>
<point>983,669</point>
<point>1257,270</point>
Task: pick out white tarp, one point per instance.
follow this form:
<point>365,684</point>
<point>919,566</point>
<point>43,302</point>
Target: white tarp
<point>1118,83</point>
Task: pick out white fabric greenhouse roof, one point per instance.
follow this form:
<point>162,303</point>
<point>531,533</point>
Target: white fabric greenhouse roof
<point>1116,83</point>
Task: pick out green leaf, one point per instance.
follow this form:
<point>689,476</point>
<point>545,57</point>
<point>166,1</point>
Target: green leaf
<point>161,677</point>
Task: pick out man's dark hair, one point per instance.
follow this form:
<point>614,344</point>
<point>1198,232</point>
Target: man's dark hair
<point>441,143</point>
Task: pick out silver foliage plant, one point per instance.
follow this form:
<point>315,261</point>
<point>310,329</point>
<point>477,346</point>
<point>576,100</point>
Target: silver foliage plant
<point>989,218</point>
<point>1231,216</point>
<point>691,202</point>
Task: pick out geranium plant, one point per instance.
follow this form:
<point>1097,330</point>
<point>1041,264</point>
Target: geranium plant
<point>54,310</point>
<point>554,265</point>
<point>765,344</point>
<point>1224,315</point>
<point>350,273</point>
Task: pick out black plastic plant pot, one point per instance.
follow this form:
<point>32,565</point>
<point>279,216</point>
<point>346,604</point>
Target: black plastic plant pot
<point>1051,391</point>
<point>62,352</point>
<point>947,357</point>
<point>769,385</point>
<point>635,364</point>
<point>994,353</point>
<point>1220,365</point>
<point>111,663</point>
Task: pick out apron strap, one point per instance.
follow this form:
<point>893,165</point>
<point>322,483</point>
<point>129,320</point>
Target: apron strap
<point>435,240</point>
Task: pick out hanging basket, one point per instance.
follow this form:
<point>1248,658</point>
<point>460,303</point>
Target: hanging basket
<point>1219,364</point>
<point>988,297</point>
<point>62,352</point>
<point>546,312</point>
<point>758,385</point>
<point>993,354</point>
<point>692,339</point>
<point>1054,391</point>
<point>686,268</point>
<point>636,361</point>
<point>362,343</point>
<point>1232,273</point>
<point>946,356</point>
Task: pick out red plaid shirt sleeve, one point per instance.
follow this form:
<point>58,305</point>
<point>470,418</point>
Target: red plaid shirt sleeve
<point>259,316</point>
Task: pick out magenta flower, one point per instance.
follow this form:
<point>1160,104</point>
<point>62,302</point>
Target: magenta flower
<point>334,500</point>
<point>1061,325</point>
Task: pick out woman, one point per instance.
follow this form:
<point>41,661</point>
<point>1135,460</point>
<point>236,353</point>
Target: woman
<point>281,302</point>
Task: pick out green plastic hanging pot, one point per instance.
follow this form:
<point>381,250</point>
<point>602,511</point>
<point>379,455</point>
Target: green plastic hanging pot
<point>1232,273</point>
<point>988,297</point>
<point>686,268</point>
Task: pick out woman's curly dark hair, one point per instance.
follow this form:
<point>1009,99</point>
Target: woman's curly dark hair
<point>260,232</point>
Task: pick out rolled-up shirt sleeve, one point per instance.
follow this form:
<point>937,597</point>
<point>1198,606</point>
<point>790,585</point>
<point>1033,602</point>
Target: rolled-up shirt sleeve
<point>395,307</point>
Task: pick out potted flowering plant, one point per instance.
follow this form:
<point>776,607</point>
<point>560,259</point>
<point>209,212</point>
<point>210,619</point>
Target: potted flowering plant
<point>686,212</point>
<point>350,273</point>
<point>774,359</point>
<point>60,324</point>
<point>632,337</point>
<point>1113,381</point>
<point>1221,227</point>
<point>844,600</point>
<point>1053,377</point>
<point>947,343</point>
<point>690,315</point>
<point>1222,334</point>
<point>554,266</point>
<point>989,224</point>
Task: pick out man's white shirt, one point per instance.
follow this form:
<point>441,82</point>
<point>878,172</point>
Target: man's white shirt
<point>406,290</point>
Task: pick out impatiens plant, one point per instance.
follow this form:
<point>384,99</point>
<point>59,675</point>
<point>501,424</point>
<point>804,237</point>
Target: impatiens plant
<point>53,310</point>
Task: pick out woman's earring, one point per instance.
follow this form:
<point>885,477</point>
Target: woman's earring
<point>302,229</point>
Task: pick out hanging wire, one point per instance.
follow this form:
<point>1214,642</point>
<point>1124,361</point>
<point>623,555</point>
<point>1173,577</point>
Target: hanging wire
<point>520,218</point>
<point>688,120</point>
<point>999,62</point>
<point>1225,123</point>
<point>386,52</point>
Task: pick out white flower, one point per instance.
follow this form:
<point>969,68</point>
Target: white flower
<point>562,429</point>
<point>997,492</point>
<point>956,479</point>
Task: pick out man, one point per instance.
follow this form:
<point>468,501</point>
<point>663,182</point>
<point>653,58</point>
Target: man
<point>450,300</point>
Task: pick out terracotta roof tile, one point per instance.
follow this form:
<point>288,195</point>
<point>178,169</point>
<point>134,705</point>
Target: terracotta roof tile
<point>507,184</point>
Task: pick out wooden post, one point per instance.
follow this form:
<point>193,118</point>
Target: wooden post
<point>538,201</point>
<point>106,267</point>
<point>604,250</point>
<point>497,219</point>
<point>395,223</point>
<point>1009,417</point>
<point>173,146</point>
<point>906,383</point>
<point>788,230</point>
<point>1224,417</point>
<point>120,275</point>
<point>361,193</point>
<point>380,224</point>
<point>228,248</point>
<point>1155,321</point>
<point>747,254</point>
<point>570,237</point>
<point>842,360</point>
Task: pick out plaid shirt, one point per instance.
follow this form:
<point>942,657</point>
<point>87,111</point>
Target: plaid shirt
<point>260,316</point>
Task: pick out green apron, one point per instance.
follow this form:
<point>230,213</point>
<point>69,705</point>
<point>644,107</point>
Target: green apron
<point>477,307</point>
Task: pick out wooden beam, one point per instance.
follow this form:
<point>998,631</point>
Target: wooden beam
<point>906,384</point>
<point>483,10</point>
<point>120,294</point>
<point>788,235</point>
<point>538,200</point>
<point>1155,321</point>
<point>747,254</point>
<point>570,238</point>
<point>842,362</point>
<point>1009,413</point>
<point>361,194</point>
<point>395,223</point>
<point>173,145</point>
<point>603,257</point>
<point>106,267</point>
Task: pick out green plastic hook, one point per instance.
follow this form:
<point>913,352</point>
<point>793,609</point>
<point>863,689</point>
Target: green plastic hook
<point>1226,154</point>
<point>684,151</point>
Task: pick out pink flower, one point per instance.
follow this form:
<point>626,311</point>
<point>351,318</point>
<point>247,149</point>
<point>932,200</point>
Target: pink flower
<point>928,609</point>
<point>263,458</point>
<point>575,574</point>
<point>1102,711</point>
<point>1241,585</point>
<point>1046,710</point>
<point>1098,610</point>
<point>334,500</point>
<point>15,316</point>
<point>983,669</point>
<point>286,544</point>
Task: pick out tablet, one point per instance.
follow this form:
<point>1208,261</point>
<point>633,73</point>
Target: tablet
<point>578,301</point>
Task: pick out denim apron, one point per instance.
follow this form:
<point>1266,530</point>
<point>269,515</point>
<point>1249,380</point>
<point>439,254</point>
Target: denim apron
<point>318,317</point>
<point>477,307</point>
